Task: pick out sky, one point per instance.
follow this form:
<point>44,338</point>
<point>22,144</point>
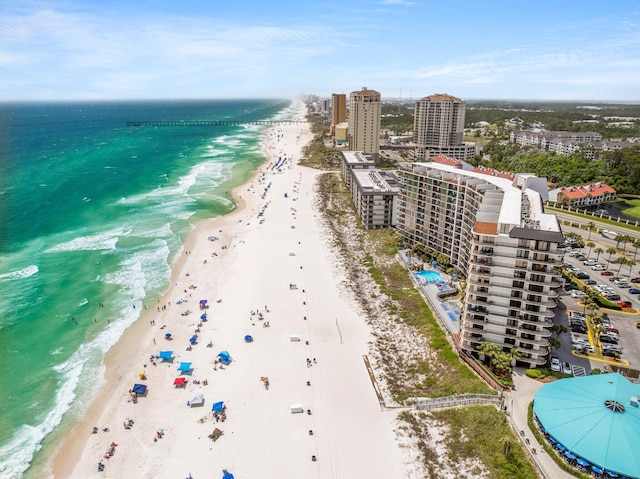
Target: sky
<point>158,49</point>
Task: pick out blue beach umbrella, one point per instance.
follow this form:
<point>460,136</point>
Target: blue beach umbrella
<point>582,462</point>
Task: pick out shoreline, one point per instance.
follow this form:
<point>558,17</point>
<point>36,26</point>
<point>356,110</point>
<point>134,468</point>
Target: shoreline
<point>118,360</point>
<point>277,280</point>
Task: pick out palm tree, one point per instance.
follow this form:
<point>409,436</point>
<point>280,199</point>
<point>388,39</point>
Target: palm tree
<point>636,244</point>
<point>611,251</point>
<point>489,350</point>
<point>631,263</point>
<point>622,260</point>
<point>598,250</point>
<point>590,244</point>
<point>590,227</point>
<point>515,355</point>
<point>618,239</point>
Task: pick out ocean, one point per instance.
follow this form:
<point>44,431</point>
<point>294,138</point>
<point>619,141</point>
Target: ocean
<point>92,215</point>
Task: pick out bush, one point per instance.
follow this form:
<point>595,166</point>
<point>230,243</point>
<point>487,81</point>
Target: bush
<point>605,303</point>
<point>535,373</point>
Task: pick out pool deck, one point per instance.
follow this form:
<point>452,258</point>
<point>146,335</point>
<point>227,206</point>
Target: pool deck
<point>430,292</point>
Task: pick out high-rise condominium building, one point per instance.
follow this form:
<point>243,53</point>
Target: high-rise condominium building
<point>338,110</point>
<point>495,232</point>
<point>365,109</point>
<point>438,126</point>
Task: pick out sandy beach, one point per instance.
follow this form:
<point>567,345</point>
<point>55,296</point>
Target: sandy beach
<point>266,271</point>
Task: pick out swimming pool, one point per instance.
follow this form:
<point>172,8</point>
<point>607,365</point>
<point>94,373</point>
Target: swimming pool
<point>430,276</point>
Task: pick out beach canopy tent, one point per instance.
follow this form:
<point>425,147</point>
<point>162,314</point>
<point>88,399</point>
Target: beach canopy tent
<point>582,462</point>
<point>203,317</point>
<point>193,339</point>
<point>167,336</point>
<point>218,406</point>
<point>227,475</point>
<point>185,367</point>
<point>296,408</point>
<point>203,301</point>
<point>139,389</point>
<point>248,338</point>
<point>165,355</point>
<point>225,357</point>
<point>197,400</point>
<point>179,381</point>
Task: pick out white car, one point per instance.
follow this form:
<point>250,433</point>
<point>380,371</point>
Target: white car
<point>598,267</point>
<point>589,262</point>
<point>555,364</point>
<point>566,368</point>
<point>577,294</point>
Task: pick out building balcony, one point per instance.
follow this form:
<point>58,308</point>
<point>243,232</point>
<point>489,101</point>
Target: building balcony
<point>543,343</point>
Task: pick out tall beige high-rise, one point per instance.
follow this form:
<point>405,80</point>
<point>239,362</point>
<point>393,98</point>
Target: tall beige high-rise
<point>365,110</point>
<point>438,126</point>
<point>338,110</point>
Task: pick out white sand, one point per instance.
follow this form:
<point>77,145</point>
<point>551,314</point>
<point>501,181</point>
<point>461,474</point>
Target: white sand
<point>352,436</point>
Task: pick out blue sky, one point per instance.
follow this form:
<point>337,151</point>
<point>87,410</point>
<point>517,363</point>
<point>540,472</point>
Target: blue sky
<point>143,49</point>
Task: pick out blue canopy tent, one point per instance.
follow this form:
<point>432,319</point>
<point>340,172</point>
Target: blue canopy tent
<point>167,336</point>
<point>248,338</point>
<point>166,355</point>
<point>582,462</point>
<point>227,475</point>
<point>193,339</point>
<point>218,406</point>
<point>203,317</point>
<point>139,389</point>
<point>185,368</point>
<point>225,357</point>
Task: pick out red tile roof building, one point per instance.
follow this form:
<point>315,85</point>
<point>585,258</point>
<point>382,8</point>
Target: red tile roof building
<point>587,195</point>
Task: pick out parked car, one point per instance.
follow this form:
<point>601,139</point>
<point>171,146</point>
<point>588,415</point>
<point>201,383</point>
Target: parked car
<point>581,257</point>
<point>598,267</point>
<point>555,364</point>
<point>589,262</point>
<point>613,330</point>
<point>608,338</point>
<point>590,282</point>
<point>614,278</point>
<point>624,285</point>
<point>570,287</point>
<point>577,294</point>
<point>613,297</point>
<point>606,273</point>
<point>624,304</point>
<point>566,367</point>
<point>612,353</point>
<point>634,291</point>
<point>587,348</point>
<point>582,275</point>
<point>634,280</point>
<point>579,329</point>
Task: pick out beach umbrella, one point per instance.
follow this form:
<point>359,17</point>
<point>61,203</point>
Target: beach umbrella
<point>569,455</point>
<point>167,336</point>
<point>218,406</point>
<point>193,339</point>
<point>611,474</point>
<point>179,381</point>
<point>203,301</point>
<point>203,317</point>
<point>596,469</point>
<point>225,357</point>
<point>582,462</point>
<point>227,475</point>
<point>248,338</point>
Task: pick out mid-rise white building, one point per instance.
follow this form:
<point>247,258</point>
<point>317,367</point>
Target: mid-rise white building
<point>495,232</point>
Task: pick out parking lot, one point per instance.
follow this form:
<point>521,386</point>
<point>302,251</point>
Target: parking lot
<point>622,334</point>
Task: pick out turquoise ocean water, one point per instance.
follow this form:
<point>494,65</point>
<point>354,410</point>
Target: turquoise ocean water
<point>92,214</point>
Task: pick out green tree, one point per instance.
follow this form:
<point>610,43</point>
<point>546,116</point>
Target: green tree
<point>622,261</point>
<point>611,251</point>
<point>590,245</point>
<point>598,251</point>
<point>590,227</point>
<point>631,263</point>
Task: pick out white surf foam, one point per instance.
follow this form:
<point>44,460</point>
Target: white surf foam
<point>106,240</point>
<point>20,274</point>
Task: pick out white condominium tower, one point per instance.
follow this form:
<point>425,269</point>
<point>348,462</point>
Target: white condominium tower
<point>494,231</point>
<point>365,110</point>
<point>438,126</point>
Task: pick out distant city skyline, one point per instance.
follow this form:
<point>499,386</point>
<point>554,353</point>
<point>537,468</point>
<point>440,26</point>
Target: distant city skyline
<point>109,50</point>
